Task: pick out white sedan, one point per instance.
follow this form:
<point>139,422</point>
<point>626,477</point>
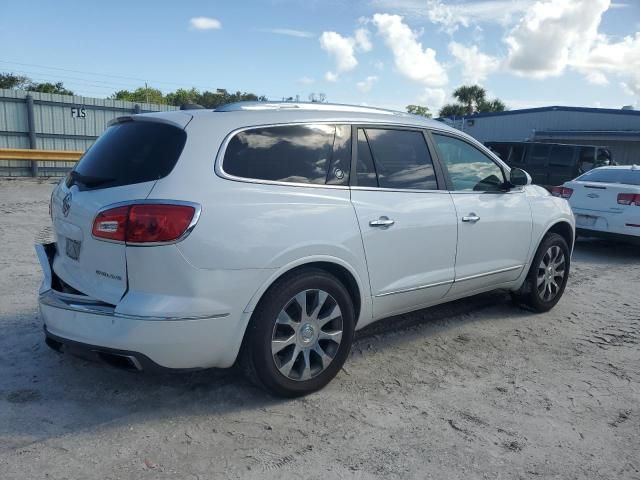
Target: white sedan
<point>605,202</point>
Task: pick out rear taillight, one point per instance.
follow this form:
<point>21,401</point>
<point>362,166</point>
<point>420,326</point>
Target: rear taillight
<point>111,224</point>
<point>629,199</point>
<point>562,192</point>
<point>144,223</point>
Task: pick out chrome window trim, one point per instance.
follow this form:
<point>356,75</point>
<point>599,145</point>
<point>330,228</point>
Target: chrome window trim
<point>89,306</point>
<point>219,160</point>
<point>187,232</point>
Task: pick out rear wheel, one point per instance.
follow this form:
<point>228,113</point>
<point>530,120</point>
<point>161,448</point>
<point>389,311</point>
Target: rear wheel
<point>300,334</point>
<point>548,275</point>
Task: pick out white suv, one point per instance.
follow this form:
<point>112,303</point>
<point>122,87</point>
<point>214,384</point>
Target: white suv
<point>268,233</point>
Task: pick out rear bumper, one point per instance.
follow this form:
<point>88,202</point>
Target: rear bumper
<point>80,323</point>
<point>587,232</point>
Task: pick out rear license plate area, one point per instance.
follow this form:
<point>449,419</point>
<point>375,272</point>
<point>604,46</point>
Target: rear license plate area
<point>586,220</point>
<point>72,248</point>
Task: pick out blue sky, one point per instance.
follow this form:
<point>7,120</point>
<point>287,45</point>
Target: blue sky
<point>387,53</point>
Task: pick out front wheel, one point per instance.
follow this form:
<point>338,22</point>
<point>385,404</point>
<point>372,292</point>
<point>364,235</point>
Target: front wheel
<point>300,334</point>
<point>548,275</point>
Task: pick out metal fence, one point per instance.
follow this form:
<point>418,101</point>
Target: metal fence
<point>56,122</point>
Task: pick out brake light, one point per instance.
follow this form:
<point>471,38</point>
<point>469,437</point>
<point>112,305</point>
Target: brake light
<point>144,223</point>
<point>629,199</point>
<point>562,192</point>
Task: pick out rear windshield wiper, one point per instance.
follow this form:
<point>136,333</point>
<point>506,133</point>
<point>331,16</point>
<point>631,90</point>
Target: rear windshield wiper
<point>87,180</point>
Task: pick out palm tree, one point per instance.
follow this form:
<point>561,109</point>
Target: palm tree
<point>452,110</point>
<point>495,105</point>
<point>472,96</point>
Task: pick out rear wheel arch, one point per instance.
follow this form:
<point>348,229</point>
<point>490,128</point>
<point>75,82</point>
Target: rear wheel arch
<point>340,272</point>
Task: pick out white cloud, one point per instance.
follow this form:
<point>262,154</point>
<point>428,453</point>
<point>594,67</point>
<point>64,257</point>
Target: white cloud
<point>362,40</point>
<point>341,49</point>
<point>619,58</point>
<point>434,98</point>
<point>476,66</point>
<point>306,80</point>
<point>411,59</point>
<point>451,16</point>
<point>204,23</point>
<point>331,77</point>
<point>596,78</point>
<point>552,34</point>
<point>289,32</point>
<point>367,84</point>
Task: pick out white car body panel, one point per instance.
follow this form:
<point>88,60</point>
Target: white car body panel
<point>596,207</point>
<point>187,305</point>
<point>412,261</point>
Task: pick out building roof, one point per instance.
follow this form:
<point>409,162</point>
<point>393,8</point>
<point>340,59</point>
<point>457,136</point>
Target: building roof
<point>556,108</point>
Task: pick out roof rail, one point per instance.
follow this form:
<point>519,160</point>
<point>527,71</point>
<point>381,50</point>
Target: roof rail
<point>312,106</point>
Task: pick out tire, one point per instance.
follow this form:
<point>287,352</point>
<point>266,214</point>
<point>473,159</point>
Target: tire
<point>543,287</point>
<point>283,349</point>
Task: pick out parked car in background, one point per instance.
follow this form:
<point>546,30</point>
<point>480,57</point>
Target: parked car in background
<point>269,233</point>
<point>551,164</point>
<point>605,202</point>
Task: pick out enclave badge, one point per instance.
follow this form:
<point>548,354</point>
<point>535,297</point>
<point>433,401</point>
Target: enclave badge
<point>66,204</point>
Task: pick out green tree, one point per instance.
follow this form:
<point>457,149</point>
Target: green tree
<point>419,110</point>
<point>453,110</point>
<point>142,95</point>
<point>11,80</point>
<point>48,87</point>
<point>471,99</point>
<point>470,96</point>
<point>495,105</point>
<point>182,96</point>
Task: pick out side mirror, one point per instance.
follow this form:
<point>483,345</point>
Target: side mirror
<point>519,178</point>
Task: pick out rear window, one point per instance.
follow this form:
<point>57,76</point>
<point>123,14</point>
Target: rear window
<point>612,175</point>
<point>128,153</point>
<point>315,153</point>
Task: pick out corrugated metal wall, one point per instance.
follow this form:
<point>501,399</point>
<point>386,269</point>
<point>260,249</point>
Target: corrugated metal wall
<point>517,127</point>
<point>62,122</point>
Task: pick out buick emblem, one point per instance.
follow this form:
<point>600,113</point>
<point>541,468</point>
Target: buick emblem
<point>66,204</point>
<point>593,195</point>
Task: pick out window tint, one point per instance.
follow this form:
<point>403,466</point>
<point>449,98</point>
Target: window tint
<point>290,153</point>
<point>538,155</point>
<point>341,158</point>
<point>128,153</point>
<point>612,175</point>
<point>468,167</point>
<point>502,150</point>
<point>561,156</point>
<point>401,159</point>
<point>366,172</point>
<point>517,154</point>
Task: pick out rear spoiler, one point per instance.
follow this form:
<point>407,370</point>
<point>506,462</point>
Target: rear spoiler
<point>155,118</point>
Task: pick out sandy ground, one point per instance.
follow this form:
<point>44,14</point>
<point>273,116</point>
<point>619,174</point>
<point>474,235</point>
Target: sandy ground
<point>472,389</point>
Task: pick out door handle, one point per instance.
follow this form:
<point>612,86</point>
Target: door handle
<point>471,218</point>
<point>383,222</point>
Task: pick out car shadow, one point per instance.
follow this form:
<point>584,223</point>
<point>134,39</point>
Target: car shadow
<point>597,251</point>
<point>45,394</point>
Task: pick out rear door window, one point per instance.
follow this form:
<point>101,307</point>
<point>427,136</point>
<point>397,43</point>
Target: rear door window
<point>401,159</point>
<point>291,153</point>
<point>517,155</point>
<point>130,152</point>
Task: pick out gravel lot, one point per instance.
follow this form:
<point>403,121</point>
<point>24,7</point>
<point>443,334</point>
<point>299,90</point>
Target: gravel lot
<point>472,389</point>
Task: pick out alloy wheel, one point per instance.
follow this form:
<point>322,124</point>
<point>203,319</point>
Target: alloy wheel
<point>307,334</point>
<point>551,273</point>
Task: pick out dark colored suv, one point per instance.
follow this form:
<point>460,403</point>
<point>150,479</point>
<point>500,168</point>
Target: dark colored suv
<point>551,164</point>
